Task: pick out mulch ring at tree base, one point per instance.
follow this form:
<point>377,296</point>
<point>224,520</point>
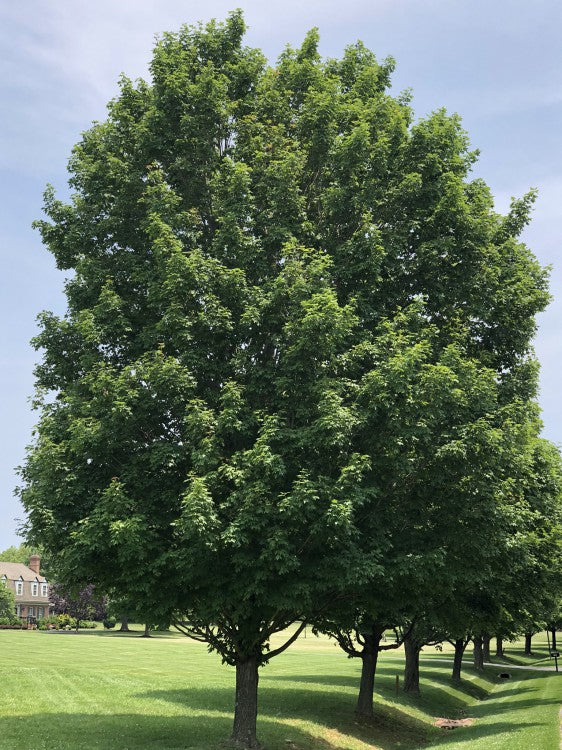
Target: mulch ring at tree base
<point>453,723</point>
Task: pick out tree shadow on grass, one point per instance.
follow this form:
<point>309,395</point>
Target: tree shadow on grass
<point>199,719</point>
<point>499,706</point>
<point>201,731</point>
<point>332,712</point>
<point>479,731</point>
<point>522,660</point>
<point>119,731</point>
<point>438,692</point>
<point>437,688</point>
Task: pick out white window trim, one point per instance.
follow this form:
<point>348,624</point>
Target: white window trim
<point>44,589</point>
<point>19,588</point>
<point>31,610</point>
<point>34,589</point>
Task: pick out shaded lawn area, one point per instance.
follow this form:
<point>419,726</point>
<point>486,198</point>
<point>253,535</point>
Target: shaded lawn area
<point>128,693</point>
<point>519,715</point>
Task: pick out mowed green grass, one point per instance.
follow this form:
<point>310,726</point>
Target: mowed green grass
<point>107,691</point>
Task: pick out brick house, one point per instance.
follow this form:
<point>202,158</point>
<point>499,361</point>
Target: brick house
<point>30,588</point>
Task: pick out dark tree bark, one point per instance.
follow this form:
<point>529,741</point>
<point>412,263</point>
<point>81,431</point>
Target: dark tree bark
<point>146,633</point>
<point>412,650</point>
<point>369,657</point>
<point>486,647</point>
<point>478,653</point>
<point>124,625</point>
<point>460,645</point>
<point>499,645</point>
<point>553,638</point>
<point>246,707</point>
<point>528,637</point>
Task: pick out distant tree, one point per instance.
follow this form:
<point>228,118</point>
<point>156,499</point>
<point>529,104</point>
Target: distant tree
<point>361,634</point>
<point>81,605</point>
<point>20,554</point>
<point>7,601</point>
<point>16,554</point>
<point>117,609</point>
<point>127,610</point>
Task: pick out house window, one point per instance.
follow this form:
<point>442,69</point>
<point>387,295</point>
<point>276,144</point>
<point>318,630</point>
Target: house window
<point>34,589</point>
<point>19,588</point>
<point>31,611</point>
<point>44,589</point>
<point>18,610</point>
<point>40,611</point>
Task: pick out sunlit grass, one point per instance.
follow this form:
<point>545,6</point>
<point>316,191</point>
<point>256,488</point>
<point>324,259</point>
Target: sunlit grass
<point>97,690</point>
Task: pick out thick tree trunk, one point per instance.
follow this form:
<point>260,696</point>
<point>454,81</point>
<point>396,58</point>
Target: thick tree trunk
<point>369,656</point>
<point>478,654</point>
<point>553,638</point>
<point>528,637</point>
<point>124,625</point>
<point>412,667</point>
<point>146,633</point>
<point>460,645</point>
<point>486,647</point>
<point>499,645</point>
<point>246,707</point>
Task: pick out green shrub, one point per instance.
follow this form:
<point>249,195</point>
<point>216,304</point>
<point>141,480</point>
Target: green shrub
<point>10,621</point>
<point>7,602</point>
<point>109,623</point>
<point>46,623</point>
<point>65,622</point>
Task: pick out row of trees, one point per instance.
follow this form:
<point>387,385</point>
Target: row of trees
<point>295,380</point>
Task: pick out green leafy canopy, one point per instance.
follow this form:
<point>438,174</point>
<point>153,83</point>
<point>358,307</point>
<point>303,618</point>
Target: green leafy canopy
<point>293,319</point>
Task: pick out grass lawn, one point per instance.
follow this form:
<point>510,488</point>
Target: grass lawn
<point>112,691</point>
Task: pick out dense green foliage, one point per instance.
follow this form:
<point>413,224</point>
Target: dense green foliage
<point>19,554</point>
<point>295,366</point>
<point>7,601</point>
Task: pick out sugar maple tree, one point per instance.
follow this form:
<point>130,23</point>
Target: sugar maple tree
<point>265,260</point>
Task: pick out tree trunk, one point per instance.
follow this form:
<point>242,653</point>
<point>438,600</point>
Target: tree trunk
<point>146,633</point>
<point>528,637</point>
<point>412,667</point>
<point>486,647</point>
<point>460,645</point>
<point>553,634</point>
<point>124,625</point>
<point>499,645</point>
<point>369,656</point>
<point>478,654</point>
<point>246,707</point>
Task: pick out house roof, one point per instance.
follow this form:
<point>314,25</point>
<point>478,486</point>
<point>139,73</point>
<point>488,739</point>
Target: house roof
<point>17,571</point>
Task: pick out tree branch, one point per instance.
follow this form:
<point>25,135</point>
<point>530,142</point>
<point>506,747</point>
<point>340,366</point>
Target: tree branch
<point>270,654</point>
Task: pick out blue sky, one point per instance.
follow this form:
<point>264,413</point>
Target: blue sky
<point>498,64</point>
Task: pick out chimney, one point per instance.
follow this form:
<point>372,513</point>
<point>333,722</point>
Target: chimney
<point>35,564</point>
